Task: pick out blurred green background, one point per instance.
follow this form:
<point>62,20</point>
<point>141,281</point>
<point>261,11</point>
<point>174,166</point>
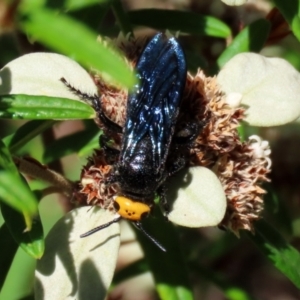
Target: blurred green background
<point>221,266</point>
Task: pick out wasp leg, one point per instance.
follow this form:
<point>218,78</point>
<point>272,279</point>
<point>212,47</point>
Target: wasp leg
<point>92,99</point>
<point>188,134</point>
<point>108,123</point>
<point>177,165</point>
<point>163,200</point>
<point>113,177</point>
<point>95,101</point>
<point>110,152</point>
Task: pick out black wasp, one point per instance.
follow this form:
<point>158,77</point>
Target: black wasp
<point>152,110</point>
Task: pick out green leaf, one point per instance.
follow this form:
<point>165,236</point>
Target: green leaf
<point>70,144</point>
<point>170,273</point>
<point>250,39</point>
<point>16,194</point>
<point>26,133</point>
<point>187,22</point>
<point>13,190</point>
<point>6,162</point>
<point>90,146</point>
<point>72,38</point>
<point>43,107</point>
<point>32,242</point>
<point>283,256</point>
<point>28,297</point>
<point>276,208</point>
<point>7,252</point>
<point>80,4</point>
<point>136,268</point>
<point>122,17</point>
<point>229,289</point>
<point>93,15</point>
<point>291,12</point>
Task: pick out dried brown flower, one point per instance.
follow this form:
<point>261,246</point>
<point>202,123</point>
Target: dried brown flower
<point>218,146</point>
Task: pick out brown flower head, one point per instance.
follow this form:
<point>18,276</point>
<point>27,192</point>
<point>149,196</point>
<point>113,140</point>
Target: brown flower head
<point>218,146</point>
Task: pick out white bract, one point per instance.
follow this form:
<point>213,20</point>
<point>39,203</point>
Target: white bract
<point>234,2</point>
<point>199,198</point>
<point>270,88</point>
<point>74,267</point>
<point>40,74</point>
<point>234,100</point>
<point>261,148</point>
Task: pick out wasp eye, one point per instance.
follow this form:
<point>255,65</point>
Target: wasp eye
<point>116,206</point>
<point>144,214</point>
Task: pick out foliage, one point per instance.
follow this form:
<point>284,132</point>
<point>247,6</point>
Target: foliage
<point>207,256</point>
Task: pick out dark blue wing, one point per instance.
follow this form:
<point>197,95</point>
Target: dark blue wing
<point>153,106</point>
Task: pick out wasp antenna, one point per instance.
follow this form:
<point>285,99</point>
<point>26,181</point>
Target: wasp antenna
<point>139,226</point>
<point>100,227</point>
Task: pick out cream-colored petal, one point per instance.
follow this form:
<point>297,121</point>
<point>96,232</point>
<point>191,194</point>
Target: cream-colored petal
<point>234,2</point>
<point>199,198</point>
<point>270,88</point>
<point>40,74</point>
<point>260,148</point>
<point>234,100</point>
<point>74,267</point>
